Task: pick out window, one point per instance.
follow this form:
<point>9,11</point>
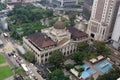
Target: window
<point>45,59</point>
<point>46,54</point>
<point>42,56</point>
<point>92,35</point>
<point>41,61</point>
<point>50,53</point>
<point>103,31</point>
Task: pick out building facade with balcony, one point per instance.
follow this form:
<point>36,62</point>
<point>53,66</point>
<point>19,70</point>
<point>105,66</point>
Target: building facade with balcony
<point>59,37</point>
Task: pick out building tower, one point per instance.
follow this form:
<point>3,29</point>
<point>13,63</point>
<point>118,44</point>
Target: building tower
<point>99,27</point>
<point>116,32</point>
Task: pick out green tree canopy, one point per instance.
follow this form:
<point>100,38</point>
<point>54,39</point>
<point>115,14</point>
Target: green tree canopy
<point>83,46</point>
<point>72,17</point>
<point>29,56</point>
<point>78,57</point>
<point>57,58</point>
<point>18,70</point>
<point>2,6</point>
<point>29,13</point>
<point>100,46</point>
<point>57,75</point>
<point>24,20</point>
<point>69,66</point>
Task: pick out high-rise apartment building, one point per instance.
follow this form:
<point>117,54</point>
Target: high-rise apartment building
<point>100,24</point>
<point>116,32</point>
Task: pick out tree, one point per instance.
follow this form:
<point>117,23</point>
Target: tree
<point>57,75</point>
<point>18,71</point>
<point>69,66</point>
<point>83,46</point>
<point>57,58</point>
<point>78,57</point>
<point>24,20</point>
<point>72,17</point>
<point>2,6</point>
<point>29,56</point>
<point>100,46</point>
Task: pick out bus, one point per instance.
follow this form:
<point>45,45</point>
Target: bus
<point>24,67</point>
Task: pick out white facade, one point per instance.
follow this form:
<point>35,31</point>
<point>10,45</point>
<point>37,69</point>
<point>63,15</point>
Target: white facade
<point>116,32</point>
<point>101,18</point>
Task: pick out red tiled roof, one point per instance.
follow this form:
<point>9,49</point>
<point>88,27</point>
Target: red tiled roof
<point>41,40</point>
<point>76,33</point>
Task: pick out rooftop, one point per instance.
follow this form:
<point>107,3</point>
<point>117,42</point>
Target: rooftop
<point>75,33</point>
<point>40,40</point>
<point>59,25</point>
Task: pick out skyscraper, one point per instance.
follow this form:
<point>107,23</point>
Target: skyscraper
<point>100,24</point>
<point>116,32</point>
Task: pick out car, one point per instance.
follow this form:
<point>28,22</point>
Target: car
<point>39,71</point>
<point>31,64</point>
<point>13,51</point>
<point>30,72</point>
<point>9,54</point>
<point>19,58</point>
<point>12,54</point>
<point>35,78</point>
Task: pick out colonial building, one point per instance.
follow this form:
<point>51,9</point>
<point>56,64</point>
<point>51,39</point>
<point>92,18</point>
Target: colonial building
<point>102,19</point>
<point>59,37</point>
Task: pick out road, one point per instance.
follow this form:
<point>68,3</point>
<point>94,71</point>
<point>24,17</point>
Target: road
<point>13,60</point>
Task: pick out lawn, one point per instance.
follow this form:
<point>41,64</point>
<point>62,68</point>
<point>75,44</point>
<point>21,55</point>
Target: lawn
<point>2,59</point>
<point>5,72</point>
